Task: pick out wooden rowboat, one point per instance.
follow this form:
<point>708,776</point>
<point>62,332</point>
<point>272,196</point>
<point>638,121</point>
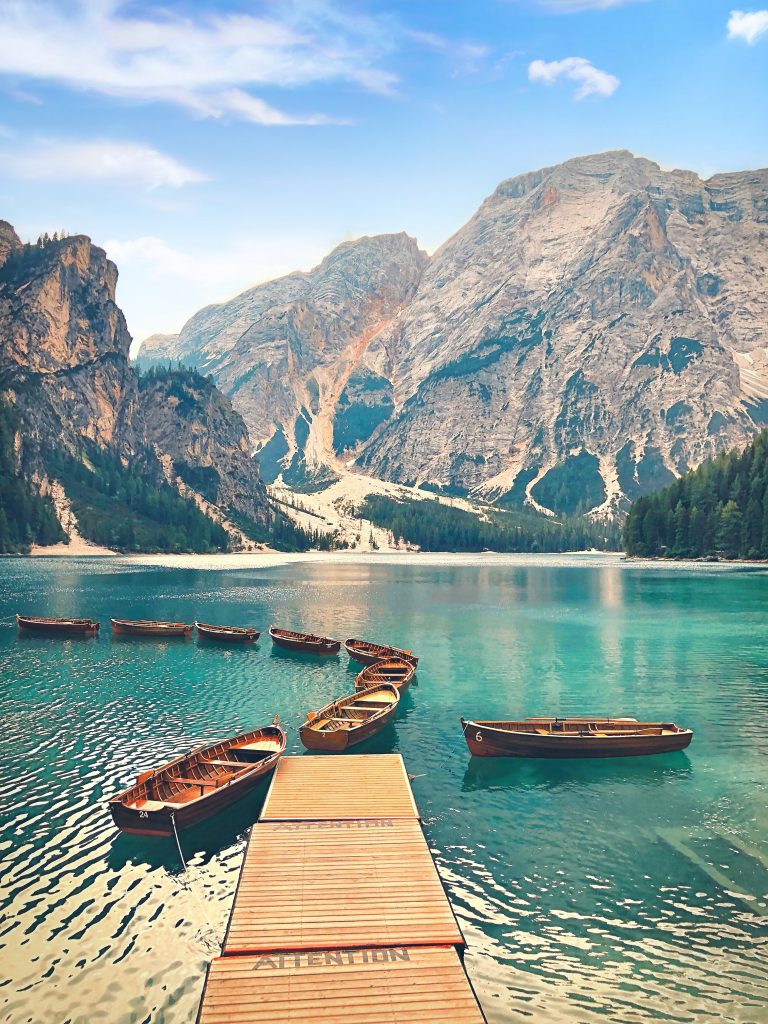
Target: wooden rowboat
<point>368,654</point>
<point>146,627</point>
<point>396,671</point>
<point>196,785</point>
<point>574,737</point>
<point>350,720</point>
<point>306,643</point>
<point>227,634</point>
<point>38,624</point>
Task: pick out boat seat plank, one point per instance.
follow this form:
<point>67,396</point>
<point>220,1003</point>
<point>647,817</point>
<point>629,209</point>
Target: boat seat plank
<point>227,764</point>
<point>194,782</point>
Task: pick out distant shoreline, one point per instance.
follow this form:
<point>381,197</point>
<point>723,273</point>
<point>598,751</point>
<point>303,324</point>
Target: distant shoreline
<point>273,559</point>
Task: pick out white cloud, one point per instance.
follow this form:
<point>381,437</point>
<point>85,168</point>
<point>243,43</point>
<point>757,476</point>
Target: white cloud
<point>592,81</point>
<point>585,5</point>
<point>747,25</point>
<point>101,160</point>
<point>203,62</point>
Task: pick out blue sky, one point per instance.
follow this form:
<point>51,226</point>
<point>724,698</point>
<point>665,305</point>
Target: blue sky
<point>210,145</point>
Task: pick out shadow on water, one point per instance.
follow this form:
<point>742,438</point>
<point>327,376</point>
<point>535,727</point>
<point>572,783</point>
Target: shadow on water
<point>494,773</point>
<point>227,645</point>
<point>305,657</point>
<point>177,641</point>
<point>208,838</point>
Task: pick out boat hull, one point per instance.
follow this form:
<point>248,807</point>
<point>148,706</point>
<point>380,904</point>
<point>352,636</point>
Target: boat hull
<point>151,629</point>
<point>400,677</point>
<point>174,795</point>
<point>484,741</point>
<point>369,654</point>
<point>225,636</point>
<point>64,627</point>
<point>319,647</point>
<point>136,822</point>
<point>342,739</point>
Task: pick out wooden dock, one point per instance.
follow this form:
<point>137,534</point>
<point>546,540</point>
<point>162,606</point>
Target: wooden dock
<point>340,914</point>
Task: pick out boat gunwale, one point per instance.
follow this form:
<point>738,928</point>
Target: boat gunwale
<point>632,727</point>
<point>152,623</point>
<point>402,683</point>
<point>206,627</point>
<point>351,643</point>
<point>276,633</point>
<point>122,797</point>
<point>57,623</point>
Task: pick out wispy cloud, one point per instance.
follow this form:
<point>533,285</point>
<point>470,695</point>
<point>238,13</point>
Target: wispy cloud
<point>98,160</point>
<point>591,80</point>
<point>747,25</point>
<point>206,62</point>
<point>465,56</point>
<point>585,5</point>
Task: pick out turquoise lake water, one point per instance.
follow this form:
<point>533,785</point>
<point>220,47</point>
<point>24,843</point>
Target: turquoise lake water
<point>628,890</point>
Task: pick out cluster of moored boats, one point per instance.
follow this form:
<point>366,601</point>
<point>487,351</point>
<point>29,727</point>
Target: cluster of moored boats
<point>197,784</point>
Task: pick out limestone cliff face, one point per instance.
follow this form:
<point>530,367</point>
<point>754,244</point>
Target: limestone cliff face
<point>189,419</point>
<point>594,329</point>
<point>284,351</point>
<point>64,345</point>
<point>64,364</point>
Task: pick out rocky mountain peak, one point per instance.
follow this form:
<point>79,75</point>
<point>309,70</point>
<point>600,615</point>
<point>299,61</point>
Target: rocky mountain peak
<point>9,240</point>
<point>64,366</point>
<point>595,328</point>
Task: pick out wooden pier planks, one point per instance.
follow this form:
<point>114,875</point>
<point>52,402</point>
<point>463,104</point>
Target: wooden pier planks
<point>313,885</point>
<point>338,859</point>
<point>342,787</point>
<point>396,985</point>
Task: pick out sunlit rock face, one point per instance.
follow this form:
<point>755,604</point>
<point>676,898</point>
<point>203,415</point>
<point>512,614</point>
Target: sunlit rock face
<point>189,419</point>
<point>596,328</point>
<point>64,365</point>
<point>285,351</point>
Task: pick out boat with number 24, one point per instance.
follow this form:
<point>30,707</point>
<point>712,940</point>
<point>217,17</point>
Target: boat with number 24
<point>196,785</point>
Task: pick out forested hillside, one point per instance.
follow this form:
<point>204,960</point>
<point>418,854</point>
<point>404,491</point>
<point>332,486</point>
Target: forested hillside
<point>438,526</point>
<point>719,509</point>
<point>25,517</point>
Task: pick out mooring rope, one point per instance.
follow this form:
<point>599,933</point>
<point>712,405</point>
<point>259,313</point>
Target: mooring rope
<point>212,944</point>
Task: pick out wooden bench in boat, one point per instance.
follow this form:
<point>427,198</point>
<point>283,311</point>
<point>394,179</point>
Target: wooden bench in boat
<point>228,764</point>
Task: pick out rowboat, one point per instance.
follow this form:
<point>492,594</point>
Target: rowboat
<point>227,634</point>
<point>307,643</point>
<point>396,671</point>
<point>351,719</point>
<point>368,654</point>
<point>196,785</point>
<point>38,624</point>
<point>146,627</point>
<point>574,737</point>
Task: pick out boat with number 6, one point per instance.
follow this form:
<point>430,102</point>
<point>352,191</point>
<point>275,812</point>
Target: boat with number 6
<point>392,670</point>
<point>368,654</point>
<point>305,643</point>
<point>350,720</point>
<point>196,785</point>
<point>71,627</point>
<point>147,627</point>
<point>574,737</point>
<point>227,634</point>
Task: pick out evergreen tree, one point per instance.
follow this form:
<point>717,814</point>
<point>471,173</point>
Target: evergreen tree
<point>717,510</point>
